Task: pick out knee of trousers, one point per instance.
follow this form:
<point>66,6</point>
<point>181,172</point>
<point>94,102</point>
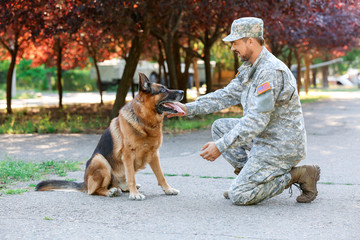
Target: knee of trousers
<point>245,195</point>
<point>216,129</point>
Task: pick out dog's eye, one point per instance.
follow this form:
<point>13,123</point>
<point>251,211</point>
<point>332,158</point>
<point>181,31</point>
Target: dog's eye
<point>163,90</point>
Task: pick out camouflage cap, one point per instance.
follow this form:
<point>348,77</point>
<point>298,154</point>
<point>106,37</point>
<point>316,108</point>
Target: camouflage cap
<point>245,27</point>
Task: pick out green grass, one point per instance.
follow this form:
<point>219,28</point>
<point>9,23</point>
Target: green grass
<point>19,171</point>
<point>94,119</point>
<point>16,124</point>
<point>14,191</point>
<point>311,99</point>
<point>176,125</point>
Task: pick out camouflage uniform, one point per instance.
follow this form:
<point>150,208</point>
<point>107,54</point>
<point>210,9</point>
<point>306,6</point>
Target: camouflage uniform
<point>269,139</point>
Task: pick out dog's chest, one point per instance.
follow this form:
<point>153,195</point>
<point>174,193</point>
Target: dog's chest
<point>147,147</point>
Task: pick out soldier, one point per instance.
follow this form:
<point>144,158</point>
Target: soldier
<point>266,144</point>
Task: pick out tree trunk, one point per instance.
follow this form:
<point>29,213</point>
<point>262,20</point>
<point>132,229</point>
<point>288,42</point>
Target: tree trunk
<point>170,60</point>
<point>58,50</point>
<point>196,76</point>
<point>307,60</point>
<point>218,66</point>
<point>98,76</point>
<point>9,77</point>
<point>325,74</point>
<point>185,76</point>
<point>236,63</point>
<point>207,57</point>
<point>314,72</point>
<point>289,58</point>
<point>136,49</point>
<point>161,63</point>
<point>298,72</point>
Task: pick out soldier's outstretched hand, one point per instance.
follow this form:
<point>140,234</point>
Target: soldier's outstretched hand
<point>210,152</point>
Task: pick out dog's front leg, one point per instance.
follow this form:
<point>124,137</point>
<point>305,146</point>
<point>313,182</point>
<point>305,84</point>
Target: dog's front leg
<point>155,166</point>
<point>129,159</point>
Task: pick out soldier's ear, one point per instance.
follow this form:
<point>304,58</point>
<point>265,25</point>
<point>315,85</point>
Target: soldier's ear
<point>144,83</point>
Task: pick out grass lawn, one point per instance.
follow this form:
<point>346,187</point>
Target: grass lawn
<point>92,118</point>
<point>13,171</point>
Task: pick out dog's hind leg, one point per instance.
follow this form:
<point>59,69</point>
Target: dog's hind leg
<point>155,166</point>
<point>99,177</point>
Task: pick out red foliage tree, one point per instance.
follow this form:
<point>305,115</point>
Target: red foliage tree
<point>20,21</point>
<point>128,23</point>
<point>98,44</point>
<point>207,22</point>
<point>56,46</point>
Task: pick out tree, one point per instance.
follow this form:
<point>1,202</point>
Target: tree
<point>55,46</point>
<point>129,24</point>
<point>165,28</point>
<point>209,21</point>
<point>99,45</point>
<point>20,21</point>
<point>333,27</point>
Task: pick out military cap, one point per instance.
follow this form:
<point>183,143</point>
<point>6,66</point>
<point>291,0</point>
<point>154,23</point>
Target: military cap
<point>245,27</point>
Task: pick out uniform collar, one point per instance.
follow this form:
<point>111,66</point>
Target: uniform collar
<point>253,67</point>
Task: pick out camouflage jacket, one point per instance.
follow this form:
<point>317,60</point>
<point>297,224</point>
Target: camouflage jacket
<point>272,118</point>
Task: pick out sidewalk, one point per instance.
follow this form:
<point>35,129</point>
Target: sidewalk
<point>199,211</point>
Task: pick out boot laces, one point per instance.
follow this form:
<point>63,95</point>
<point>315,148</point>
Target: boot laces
<point>290,188</point>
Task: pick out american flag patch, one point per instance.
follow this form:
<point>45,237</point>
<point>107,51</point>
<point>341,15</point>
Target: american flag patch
<point>263,88</point>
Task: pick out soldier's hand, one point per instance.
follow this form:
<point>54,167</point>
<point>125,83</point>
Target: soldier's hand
<point>181,114</point>
<point>210,152</point>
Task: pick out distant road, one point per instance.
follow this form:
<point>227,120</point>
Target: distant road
<point>52,99</point>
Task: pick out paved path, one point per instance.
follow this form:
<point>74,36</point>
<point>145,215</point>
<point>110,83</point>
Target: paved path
<point>52,99</point>
<point>199,211</point>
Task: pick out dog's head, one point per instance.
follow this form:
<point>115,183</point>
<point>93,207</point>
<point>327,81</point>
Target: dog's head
<point>159,96</point>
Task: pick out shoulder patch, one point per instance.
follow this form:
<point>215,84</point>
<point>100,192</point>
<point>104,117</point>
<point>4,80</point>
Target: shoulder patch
<point>263,88</point>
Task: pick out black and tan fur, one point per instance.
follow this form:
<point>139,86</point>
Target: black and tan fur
<point>132,140</point>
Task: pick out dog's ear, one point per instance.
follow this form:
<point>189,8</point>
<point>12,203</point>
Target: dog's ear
<point>144,83</point>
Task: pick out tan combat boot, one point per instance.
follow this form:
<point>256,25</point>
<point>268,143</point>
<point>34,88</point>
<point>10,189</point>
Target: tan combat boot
<point>306,176</point>
<point>236,171</point>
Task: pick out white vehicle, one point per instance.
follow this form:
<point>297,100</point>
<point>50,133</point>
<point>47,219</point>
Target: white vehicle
<point>112,70</point>
<point>342,80</point>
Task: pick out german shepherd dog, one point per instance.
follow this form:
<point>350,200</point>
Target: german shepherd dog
<point>132,140</point>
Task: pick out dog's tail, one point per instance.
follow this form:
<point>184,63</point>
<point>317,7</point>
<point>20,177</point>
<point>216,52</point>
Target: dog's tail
<point>60,185</point>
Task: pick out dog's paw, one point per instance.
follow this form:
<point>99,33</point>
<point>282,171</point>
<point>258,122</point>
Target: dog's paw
<point>125,188</point>
<point>137,196</point>
<point>171,191</point>
<point>114,192</point>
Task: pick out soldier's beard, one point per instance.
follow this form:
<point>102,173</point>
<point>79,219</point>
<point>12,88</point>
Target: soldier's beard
<point>244,57</point>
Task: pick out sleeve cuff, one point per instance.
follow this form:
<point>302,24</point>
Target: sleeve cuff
<point>221,145</point>
<point>191,109</point>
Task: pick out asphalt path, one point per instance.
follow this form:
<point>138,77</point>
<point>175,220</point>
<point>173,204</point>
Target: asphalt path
<point>199,211</point>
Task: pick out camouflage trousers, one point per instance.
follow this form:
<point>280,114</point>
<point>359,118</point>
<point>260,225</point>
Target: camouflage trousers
<point>261,177</point>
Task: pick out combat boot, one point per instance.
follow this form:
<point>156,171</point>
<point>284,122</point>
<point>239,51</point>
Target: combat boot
<point>307,177</point>
<point>236,171</point>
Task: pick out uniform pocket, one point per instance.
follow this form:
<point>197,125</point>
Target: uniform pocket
<point>265,102</point>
